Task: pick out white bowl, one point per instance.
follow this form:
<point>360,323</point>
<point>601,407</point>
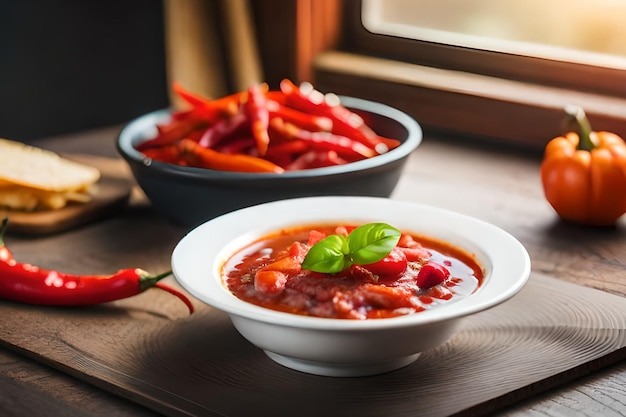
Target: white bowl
<point>336,347</point>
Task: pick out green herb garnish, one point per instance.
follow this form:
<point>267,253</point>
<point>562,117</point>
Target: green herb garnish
<point>366,244</point>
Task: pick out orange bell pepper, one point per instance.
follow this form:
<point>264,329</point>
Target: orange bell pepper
<point>584,174</point>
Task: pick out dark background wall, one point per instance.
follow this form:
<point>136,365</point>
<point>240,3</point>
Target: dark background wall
<point>71,65</point>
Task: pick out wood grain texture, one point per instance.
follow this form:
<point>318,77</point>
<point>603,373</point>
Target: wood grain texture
<point>147,350</point>
<point>103,345</point>
<point>601,394</point>
<point>30,389</point>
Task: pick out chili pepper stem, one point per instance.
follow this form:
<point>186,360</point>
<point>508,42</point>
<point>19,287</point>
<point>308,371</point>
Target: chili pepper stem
<point>174,291</point>
<point>147,281</point>
<point>576,115</point>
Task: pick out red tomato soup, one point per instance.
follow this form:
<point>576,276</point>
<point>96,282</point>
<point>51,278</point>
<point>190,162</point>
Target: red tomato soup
<point>420,273</point>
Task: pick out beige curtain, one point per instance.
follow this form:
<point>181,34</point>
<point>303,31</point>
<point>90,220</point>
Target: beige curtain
<point>211,46</point>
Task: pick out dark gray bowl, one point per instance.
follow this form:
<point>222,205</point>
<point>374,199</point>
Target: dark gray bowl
<point>190,196</point>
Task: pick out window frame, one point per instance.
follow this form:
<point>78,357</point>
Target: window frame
<point>590,78</point>
<point>503,97</point>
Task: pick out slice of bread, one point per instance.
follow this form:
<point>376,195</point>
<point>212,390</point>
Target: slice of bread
<point>33,178</point>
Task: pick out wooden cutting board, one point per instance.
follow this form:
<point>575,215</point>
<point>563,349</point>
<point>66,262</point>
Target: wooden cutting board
<point>113,191</point>
<point>149,350</point>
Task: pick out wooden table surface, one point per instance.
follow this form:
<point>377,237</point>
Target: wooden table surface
<point>497,185</point>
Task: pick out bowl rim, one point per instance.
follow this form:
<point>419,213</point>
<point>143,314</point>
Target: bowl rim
<point>136,128</point>
<point>506,261</point>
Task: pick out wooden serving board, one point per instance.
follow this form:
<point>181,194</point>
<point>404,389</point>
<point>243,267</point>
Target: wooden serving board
<point>112,193</point>
<point>147,349</point>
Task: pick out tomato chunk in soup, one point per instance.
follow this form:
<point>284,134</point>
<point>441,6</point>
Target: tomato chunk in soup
<point>420,273</point>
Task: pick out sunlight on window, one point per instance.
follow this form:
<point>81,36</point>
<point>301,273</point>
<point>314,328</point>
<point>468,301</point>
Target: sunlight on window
<point>587,31</point>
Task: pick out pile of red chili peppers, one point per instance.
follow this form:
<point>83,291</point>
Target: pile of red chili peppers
<point>30,284</point>
<point>258,130</point>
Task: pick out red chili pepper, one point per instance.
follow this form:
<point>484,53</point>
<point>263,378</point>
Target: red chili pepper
<point>209,109</point>
<point>348,123</point>
<point>183,115</point>
<point>345,122</point>
<point>291,147</point>
<point>344,146</point>
<point>389,143</point>
<point>277,96</point>
<point>30,284</point>
<point>304,120</point>
<point>256,109</point>
<point>297,127</point>
<point>208,158</point>
<point>312,101</point>
<point>167,153</point>
<point>316,159</point>
<point>284,154</point>
<point>172,132</point>
<point>223,129</point>
<point>239,145</point>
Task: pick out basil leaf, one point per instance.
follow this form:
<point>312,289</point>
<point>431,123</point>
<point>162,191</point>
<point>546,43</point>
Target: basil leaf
<point>366,244</point>
<point>372,242</point>
<point>329,255</point>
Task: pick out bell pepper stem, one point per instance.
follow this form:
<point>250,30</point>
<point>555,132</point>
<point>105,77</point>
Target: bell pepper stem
<point>576,116</point>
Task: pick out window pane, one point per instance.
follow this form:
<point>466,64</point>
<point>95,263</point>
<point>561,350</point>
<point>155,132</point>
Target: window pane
<point>584,31</point>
